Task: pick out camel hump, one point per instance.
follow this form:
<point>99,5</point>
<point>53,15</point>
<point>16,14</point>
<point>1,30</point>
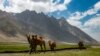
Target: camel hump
<point>41,38</point>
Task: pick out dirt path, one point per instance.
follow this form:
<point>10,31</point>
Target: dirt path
<point>95,46</point>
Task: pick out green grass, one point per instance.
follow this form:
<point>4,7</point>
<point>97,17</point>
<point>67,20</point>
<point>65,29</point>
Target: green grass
<point>13,47</point>
<point>23,46</point>
<point>87,52</point>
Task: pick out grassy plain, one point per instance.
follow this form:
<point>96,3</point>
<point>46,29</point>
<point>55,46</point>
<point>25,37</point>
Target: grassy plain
<point>23,46</point>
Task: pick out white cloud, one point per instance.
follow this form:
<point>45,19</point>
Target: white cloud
<point>74,19</point>
<point>1,1</point>
<point>41,0</point>
<point>97,5</point>
<point>35,5</point>
<point>67,1</point>
<point>92,26</point>
<point>75,22</point>
<point>79,15</point>
<point>93,10</point>
<point>93,23</point>
<point>95,35</point>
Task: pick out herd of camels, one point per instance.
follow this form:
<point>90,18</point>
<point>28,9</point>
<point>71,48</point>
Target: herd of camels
<point>35,40</point>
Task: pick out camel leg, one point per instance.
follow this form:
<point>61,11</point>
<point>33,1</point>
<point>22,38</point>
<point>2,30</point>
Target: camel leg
<point>41,47</point>
<point>31,50</point>
<point>54,49</point>
<point>51,49</point>
<point>35,48</point>
<point>44,47</point>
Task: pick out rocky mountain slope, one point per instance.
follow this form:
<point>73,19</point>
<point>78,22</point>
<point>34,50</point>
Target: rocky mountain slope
<point>41,24</point>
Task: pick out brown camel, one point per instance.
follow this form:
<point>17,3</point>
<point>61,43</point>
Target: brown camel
<point>81,45</point>
<point>52,45</point>
<point>34,41</point>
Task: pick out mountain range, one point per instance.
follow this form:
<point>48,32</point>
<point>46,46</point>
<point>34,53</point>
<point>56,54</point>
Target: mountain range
<point>13,27</point>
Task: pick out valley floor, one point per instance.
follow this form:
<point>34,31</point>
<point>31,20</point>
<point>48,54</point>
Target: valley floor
<point>90,51</point>
<point>87,52</point>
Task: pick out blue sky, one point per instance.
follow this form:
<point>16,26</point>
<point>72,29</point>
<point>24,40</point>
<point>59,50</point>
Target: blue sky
<point>84,14</point>
<point>81,5</point>
<point>5,3</point>
<point>76,5</point>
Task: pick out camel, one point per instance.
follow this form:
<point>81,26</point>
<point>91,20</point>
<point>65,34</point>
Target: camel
<point>81,45</point>
<point>52,45</point>
<point>34,41</point>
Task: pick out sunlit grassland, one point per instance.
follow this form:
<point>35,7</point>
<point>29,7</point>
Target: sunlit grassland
<point>87,52</point>
<point>25,46</point>
<point>13,47</point>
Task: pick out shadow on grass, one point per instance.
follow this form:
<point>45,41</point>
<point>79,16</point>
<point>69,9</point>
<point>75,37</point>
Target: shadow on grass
<point>26,51</point>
